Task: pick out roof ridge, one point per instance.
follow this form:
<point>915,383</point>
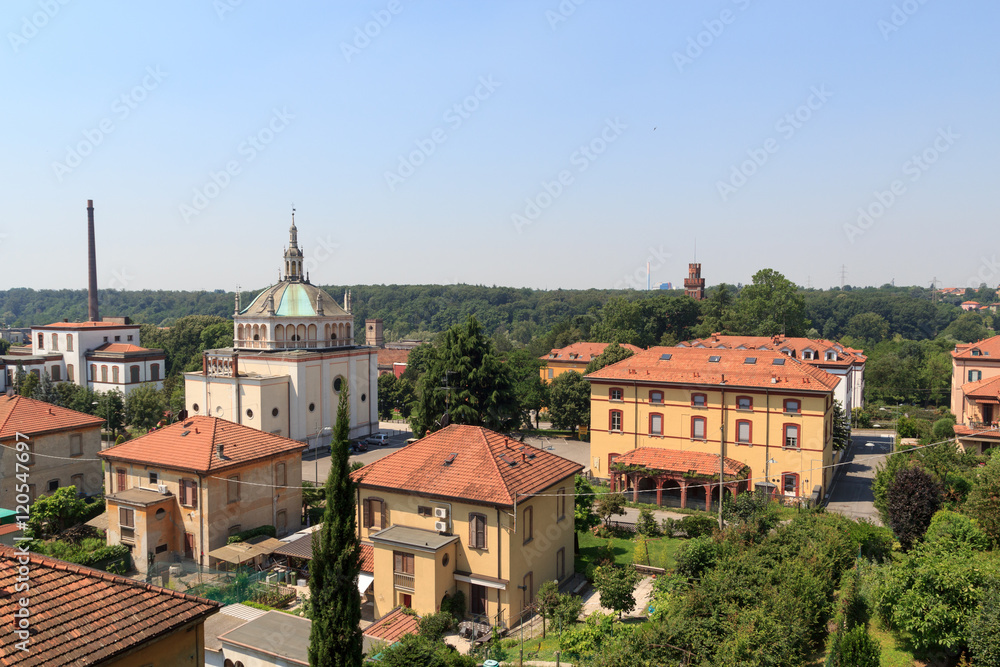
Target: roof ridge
<point>10,412</point>
<point>211,445</point>
<point>493,460</point>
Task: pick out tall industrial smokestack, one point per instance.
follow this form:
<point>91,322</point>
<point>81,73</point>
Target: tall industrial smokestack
<point>91,265</point>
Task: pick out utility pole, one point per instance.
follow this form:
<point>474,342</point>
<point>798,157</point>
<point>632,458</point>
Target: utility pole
<point>843,276</point>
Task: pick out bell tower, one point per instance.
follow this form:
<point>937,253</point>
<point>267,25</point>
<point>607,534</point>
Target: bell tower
<point>293,256</point>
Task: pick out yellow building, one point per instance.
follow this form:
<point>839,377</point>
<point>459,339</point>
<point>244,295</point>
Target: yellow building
<point>762,409</point>
<point>975,394</point>
<point>466,509</point>
<point>181,491</point>
<point>573,357</point>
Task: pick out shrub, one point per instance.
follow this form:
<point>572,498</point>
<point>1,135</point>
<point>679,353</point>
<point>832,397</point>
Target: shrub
<point>697,525</point>
<point>956,529</point>
<point>454,605</point>
<point>984,628</point>
<point>646,524</point>
<point>669,526</point>
<point>856,648</point>
<point>245,535</point>
<point>695,556</point>
<point>435,626</point>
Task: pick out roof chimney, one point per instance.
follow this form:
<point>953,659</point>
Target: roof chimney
<point>92,313</point>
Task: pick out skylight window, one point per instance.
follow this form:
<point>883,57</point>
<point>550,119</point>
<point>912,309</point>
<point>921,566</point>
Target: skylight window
<point>665,357</point>
<point>451,458</point>
<point>714,359</point>
<point>750,360</point>
<point>780,361</point>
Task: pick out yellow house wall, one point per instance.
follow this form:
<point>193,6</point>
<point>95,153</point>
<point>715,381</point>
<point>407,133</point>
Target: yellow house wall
<point>767,418</point>
<point>177,649</point>
<point>45,469</point>
<point>506,556</point>
<point>560,367</point>
<point>960,406</point>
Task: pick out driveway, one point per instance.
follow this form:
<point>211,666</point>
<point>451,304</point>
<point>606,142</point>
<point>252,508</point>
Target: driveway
<point>852,489</point>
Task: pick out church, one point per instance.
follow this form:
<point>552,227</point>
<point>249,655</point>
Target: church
<point>293,354</point>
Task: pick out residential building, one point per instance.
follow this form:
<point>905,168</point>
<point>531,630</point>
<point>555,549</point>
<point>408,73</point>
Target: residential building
<point>389,629</point>
<point>181,491</point>
<point>466,509</point>
<point>975,393</point>
<point>62,447</point>
<point>81,616</point>
<point>573,357</point>
<point>831,356</point>
<point>759,408</point>
<point>393,360</point>
<point>274,639</point>
<point>293,353</point>
<point>969,305</point>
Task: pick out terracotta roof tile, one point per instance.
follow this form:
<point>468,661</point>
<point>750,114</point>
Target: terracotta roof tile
<point>393,625</point>
<point>701,463</point>
<point>192,444</point>
<point>988,388</point>
<point>367,557</point>
<point>693,366</point>
<point>81,616</point>
<point>31,417</point>
<point>845,355</point>
<point>87,325</point>
<point>585,352</point>
<point>387,357</point>
<point>487,467</point>
<point>988,349</point>
<point>121,347</point>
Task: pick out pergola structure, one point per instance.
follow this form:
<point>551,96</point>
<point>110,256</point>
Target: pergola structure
<point>669,469</point>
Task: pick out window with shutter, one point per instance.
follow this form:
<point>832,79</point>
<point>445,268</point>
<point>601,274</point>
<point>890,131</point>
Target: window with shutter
<point>477,531</point>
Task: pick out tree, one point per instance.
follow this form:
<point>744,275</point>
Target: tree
<point>770,305</point>
<point>466,381</point>
<point>911,501</point>
<point>967,328</point>
<point>640,552</point>
<point>45,390</point>
<point>984,628</point>
<point>56,512</point>
<point>569,401</point>
<point>386,395</point>
<point>144,406</point>
<point>646,524</point>
<point>869,327</point>
<point>419,651</point>
<point>28,384</point>
<point>111,407</point>
<point>335,637</point>
<point>857,648</point>
<point>531,390</point>
<point>583,510</point>
<point>983,503</point>
<point>547,601</point>
<point>313,495</point>
<point>609,505</point>
<point>619,321</point>
<point>612,354</point>
<point>616,586</point>
<point>841,426</point>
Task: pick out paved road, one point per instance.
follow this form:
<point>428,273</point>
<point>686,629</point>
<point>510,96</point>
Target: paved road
<point>314,467</point>
<point>852,491</point>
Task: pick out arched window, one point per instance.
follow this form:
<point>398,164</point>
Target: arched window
<point>41,341</point>
<point>312,332</point>
<point>792,435</point>
<point>104,373</point>
<point>279,333</point>
<point>114,374</point>
<point>56,374</point>
<point>697,428</point>
<point>55,341</point>
<point>69,342</point>
<point>134,374</point>
<point>699,400</point>
<point>656,424</point>
<point>615,421</point>
<point>154,372</point>
<point>69,373</point>
<point>744,431</point>
<point>93,372</point>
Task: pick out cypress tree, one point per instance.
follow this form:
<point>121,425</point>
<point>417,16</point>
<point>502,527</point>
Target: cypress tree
<point>335,638</point>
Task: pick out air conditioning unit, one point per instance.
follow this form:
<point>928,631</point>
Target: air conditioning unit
<point>162,488</point>
<point>440,512</point>
<point>441,526</point>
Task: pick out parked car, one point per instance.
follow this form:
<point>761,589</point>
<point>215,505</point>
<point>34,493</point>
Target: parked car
<point>358,446</point>
<point>377,439</point>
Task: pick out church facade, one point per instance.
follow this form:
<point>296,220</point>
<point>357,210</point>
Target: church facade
<point>293,354</point>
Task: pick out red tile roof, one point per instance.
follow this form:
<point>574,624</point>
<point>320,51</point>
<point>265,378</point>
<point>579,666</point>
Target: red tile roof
<point>988,388</point>
<point>30,417</point>
<point>692,366</point>
<point>81,616</point>
<point>87,325</point>
<point>673,460</point>
<point>121,347</point>
<point>989,349</point>
<point>585,352</point>
<point>192,444</point>
<point>393,625</point>
<point>388,357</point>
<point>845,355</point>
<point>487,467</point>
<point>367,557</point>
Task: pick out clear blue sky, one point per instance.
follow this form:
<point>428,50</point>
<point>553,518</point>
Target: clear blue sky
<point>333,114</point>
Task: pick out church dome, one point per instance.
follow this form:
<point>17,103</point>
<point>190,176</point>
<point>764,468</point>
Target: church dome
<point>293,299</point>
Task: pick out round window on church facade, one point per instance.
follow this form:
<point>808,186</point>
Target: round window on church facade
<point>195,407</point>
<point>312,407</point>
<point>337,384</point>
<point>274,412</point>
<point>249,413</point>
<point>364,397</point>
<point>444,560</point>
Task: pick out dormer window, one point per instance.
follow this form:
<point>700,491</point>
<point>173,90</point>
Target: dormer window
<point>976,352</point>
<point>831,355</point>
<point>808,354</point>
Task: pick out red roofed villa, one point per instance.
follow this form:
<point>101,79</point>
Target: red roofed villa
<point>183,490</point>
<point>573,357</point>
<point>975,393</point>
<point>466,509</point>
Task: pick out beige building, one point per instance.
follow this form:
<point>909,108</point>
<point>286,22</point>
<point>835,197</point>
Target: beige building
<point>293,353</point>
<point>62,447</point>
<point>755,408</point>
<point>181,491</point>
<point>975,393</point>
<point>466,509</point>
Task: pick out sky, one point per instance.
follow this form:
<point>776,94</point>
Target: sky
<point>540,144</point>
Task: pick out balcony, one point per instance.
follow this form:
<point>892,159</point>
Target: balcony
<point>403,581</point>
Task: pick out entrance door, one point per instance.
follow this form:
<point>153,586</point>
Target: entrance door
<point>407,600</point>
<point>477,599</point>
<point>189,545</point>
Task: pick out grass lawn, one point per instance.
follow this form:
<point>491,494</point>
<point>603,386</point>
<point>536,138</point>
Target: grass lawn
<point>661,550</point>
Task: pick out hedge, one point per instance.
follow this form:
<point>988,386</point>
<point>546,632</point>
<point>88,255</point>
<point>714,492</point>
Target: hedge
<point>245,535</point>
